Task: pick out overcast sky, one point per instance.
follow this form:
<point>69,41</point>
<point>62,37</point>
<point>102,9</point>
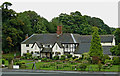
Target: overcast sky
<point>107,10</point>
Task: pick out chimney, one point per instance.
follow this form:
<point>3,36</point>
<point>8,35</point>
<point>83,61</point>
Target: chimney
<point>59,30</point>
<point>26,36</point>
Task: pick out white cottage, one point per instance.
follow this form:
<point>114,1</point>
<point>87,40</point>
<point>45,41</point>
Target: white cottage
<point>52,44</point>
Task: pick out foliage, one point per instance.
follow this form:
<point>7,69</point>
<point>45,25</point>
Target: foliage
<point>96,47</point>
<point>56,57</point>
<point>95,59</point>
<point>117,36</point>
<point>115,50</point>
<point>44,59</point>
<point>69,56</point>
<point>82,67</point>
<point>99,66</point>
<point>62,57</point>
<point>3,61</point>
<point>105,57</point>
<point>116,60</point>
<point>108,61</point>
<point>86,56</point>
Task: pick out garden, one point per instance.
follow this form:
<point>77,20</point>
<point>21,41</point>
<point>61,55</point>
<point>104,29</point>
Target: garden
<point>66,62</point>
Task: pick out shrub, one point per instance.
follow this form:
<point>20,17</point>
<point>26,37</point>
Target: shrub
<point>77,59</point>
<point>69,56</point>
<point>116,60</point>
<point>44,59</point>
<point>22,57</point>
<point>62,57</point>
<point>86,56</point>
<point>108,61</point>
<point>85,62</point>
<point>99,66</point>
<point>83,66</point>
<point>3,61</point>
<point>95,59</point>
<point>106,57</point>
<point>56,57</point>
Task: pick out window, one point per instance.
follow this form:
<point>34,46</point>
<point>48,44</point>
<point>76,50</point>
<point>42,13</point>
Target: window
<point>48,45</point>
<point>27,51</point>
<point>66,46</point>
<point>35,47</point>
<point>27,45</point>
<point>56,47</point>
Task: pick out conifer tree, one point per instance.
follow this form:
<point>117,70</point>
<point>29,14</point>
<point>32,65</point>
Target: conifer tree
<point>96,47</point>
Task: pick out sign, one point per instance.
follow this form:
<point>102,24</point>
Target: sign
<point>15,66</point>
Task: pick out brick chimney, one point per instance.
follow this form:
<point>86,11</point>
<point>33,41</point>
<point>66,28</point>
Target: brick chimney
<point>59,30</point>
<point>26,36</point>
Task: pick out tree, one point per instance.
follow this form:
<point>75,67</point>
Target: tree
<point>6,4</point>
<point>117,36</point>
<point>115,50</point>
<point>96,48</point>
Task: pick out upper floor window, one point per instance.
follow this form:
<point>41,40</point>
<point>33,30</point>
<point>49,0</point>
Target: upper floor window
<point>56,47</point>
<point>35,47</point>
<point>27,45</point>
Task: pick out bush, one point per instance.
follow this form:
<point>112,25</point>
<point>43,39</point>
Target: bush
<point>62,57</point>
<point>104,58</point>
<point>95,59</point>
<point>86,56</point>
<point>85,62</point>
<point>77,59</point>
<point>56,57</point>
<point>83,66</point>
<point>22,57</point>
<point>3,61</point>
<point>44,59</point>
<point>99,66</point>
<point>116,60</point>
<point>69,56</point>
<point>108,61</point>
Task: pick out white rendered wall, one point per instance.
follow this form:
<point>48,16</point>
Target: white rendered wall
<point>58,50</point>
<point>24,48</point>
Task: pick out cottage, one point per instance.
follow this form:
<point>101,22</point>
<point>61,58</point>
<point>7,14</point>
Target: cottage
<point>52,44</point>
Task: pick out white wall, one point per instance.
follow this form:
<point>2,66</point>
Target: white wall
<point>24,48</point>
<point>57,50</point>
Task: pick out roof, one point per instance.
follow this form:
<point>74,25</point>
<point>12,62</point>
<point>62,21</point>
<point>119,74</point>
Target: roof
<point>85,47</point>
<point>83,40</point>
<point>38,43</point>
<point>87,38</point>
<point>46,50</point>
<point>49,38</point>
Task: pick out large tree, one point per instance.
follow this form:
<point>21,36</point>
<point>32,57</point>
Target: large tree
<point>96,48</point>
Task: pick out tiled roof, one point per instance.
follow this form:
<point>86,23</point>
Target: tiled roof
<point>83,40</point>
<point>44,50</point>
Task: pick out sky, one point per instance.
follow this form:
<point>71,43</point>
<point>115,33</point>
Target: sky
<point>107,10</point>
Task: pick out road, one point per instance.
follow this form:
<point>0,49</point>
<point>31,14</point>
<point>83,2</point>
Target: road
<point>56,74</point>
